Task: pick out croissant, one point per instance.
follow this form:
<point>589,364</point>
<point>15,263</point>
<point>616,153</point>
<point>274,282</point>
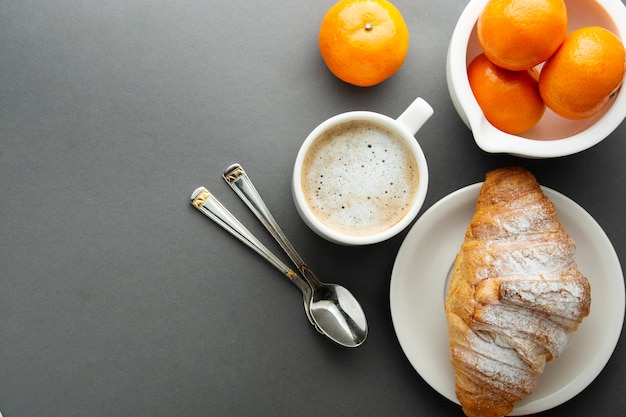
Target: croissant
<point>515,294</point>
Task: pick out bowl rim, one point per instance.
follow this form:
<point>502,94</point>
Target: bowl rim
<point>467,106</point>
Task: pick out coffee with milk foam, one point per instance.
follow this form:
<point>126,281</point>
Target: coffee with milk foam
<point>359,178</point>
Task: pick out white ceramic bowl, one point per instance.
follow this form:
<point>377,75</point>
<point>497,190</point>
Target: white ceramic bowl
<point>553,136</point>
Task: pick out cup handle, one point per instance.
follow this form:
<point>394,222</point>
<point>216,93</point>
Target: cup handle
<point>414,117</point>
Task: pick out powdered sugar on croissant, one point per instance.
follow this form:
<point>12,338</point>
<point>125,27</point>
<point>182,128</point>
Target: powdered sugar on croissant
<point>515,294</point>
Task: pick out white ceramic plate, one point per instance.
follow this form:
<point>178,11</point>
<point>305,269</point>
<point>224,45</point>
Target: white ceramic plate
<point>418,285</point>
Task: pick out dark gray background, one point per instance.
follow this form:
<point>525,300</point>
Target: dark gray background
<point>117,298</point>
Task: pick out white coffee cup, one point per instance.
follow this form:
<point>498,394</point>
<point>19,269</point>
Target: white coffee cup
<point>376,175</point>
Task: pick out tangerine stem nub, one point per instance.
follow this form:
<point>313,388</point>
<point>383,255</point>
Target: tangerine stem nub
<point>369,26</point>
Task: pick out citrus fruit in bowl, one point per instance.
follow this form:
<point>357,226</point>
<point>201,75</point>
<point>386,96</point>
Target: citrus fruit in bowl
<point>581,78</point>
<point>520,34</point>
<point>509,99</point>
<point>363,42</point>
<point>554,135</point>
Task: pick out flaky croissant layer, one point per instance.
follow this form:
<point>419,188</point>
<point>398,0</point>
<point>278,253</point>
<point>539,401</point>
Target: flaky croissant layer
<point>515,294</point>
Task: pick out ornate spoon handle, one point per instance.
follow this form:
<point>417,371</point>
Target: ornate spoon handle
<point>210,206</point>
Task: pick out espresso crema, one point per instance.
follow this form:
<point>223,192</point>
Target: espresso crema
<point>359,178</point>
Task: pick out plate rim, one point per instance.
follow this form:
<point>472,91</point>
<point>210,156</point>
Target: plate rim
<point>562,202</point>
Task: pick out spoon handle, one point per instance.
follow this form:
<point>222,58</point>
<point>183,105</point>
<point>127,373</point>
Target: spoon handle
<point>239,181</point>
<point>210,206</point>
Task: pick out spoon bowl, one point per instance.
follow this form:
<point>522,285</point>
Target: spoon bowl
<point>340,317</point>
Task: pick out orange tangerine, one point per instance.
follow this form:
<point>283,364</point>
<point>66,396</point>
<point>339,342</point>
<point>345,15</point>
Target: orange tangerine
<point>510,100</point>
<point>363,42</point>
<point>520,34</point>
<point>584,74</point>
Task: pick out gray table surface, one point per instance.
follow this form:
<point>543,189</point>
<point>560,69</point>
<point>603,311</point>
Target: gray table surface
<point>117,298</point>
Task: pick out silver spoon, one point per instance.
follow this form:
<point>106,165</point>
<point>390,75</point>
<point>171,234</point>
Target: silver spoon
<point>209,205</point>
<point>335,310</point>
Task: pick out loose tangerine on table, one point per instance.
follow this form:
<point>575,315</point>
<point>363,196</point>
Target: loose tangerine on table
<point>363,42</point>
